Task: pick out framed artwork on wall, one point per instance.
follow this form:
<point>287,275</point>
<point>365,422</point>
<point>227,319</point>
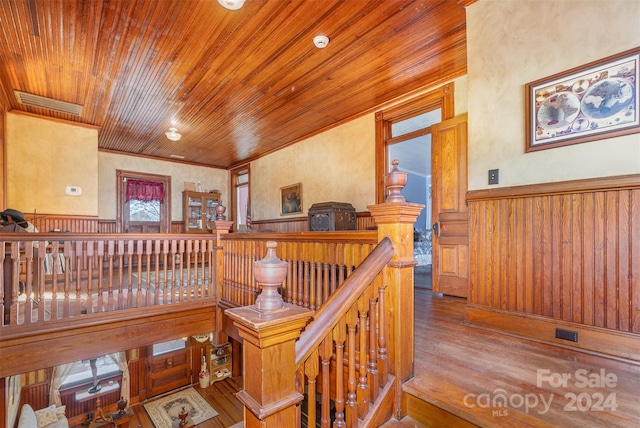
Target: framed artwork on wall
<point>291,199</point>
<point>594,101</point>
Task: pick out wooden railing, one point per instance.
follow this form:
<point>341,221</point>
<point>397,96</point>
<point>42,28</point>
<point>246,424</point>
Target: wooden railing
<point>318,263</point>
<point>348,337</point>
<point>50,277</point>
<point>354,339</point>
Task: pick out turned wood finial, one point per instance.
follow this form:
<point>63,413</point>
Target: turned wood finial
<point>220,209</point>
<point>270,273</point>
<point>395,181</point>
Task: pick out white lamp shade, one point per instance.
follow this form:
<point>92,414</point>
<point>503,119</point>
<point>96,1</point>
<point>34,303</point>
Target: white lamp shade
<point>231,4</point>
<point>173,134</point>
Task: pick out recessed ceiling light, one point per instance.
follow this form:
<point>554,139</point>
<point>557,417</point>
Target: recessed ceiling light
<point>321,41</point>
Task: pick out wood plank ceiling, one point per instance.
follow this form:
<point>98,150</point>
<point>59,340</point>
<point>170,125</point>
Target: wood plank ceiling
<point>236,84</point>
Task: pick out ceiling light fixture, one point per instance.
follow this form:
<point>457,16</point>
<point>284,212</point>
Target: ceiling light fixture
<point>173,134</point>
<point>321,41</point>
<point>231,4</point>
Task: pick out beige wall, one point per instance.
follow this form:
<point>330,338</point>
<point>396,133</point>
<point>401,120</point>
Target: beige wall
<point>209,178</point>
<point>511,43</point>
<point>43,157</point>
<point>335,166</point>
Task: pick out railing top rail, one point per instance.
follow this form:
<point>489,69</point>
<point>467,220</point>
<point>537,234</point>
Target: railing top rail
<point>353,237</point>
<point>325,319</point>
<point>68,236</point>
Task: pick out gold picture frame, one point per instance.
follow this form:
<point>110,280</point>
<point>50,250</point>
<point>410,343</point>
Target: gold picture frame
<point>591,102</point>
<point>291,199</point>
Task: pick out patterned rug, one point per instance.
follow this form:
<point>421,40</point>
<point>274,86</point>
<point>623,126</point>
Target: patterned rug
<point>164,410</point>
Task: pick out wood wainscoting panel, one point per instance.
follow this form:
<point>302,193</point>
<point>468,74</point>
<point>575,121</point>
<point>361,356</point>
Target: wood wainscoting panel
<point>565,251</point>
<point>63,223</point>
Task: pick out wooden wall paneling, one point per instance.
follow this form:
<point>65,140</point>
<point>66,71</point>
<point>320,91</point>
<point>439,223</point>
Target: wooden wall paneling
<point>37,395</point>
<point>634,257</point>
<point>565,252</point>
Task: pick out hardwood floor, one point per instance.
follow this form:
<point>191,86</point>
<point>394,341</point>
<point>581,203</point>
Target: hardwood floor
<point>466,370</point>
<point>221,395</point>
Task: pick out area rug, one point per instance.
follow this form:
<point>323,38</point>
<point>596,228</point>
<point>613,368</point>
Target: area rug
<point>164,410</point>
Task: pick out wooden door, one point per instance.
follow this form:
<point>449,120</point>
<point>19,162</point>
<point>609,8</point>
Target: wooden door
<point>450,274</point>
<point>167,371</point>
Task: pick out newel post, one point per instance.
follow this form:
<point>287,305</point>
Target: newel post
<point>269,329</point>
<point>395,219</point>
<point>219,228</point>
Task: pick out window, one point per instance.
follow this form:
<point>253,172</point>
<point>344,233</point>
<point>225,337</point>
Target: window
<point>81,372</point>
<point>143,202</point>
<point>241,203</point>
<point>170,346</point>
<point>407,122</point>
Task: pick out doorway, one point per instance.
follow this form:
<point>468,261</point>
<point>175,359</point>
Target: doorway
<point>404,132</point>
<point>168,366</point>
<point>143,202</point>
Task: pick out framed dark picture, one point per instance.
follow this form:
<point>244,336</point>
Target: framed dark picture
<point>591,102</point>
<point>291,199</point>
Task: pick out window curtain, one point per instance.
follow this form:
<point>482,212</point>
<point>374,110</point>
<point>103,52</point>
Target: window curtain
<point>60,373</point>
<point>120,358</point>
<point>145,191</point>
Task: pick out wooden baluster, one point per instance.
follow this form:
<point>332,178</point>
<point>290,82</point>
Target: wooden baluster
<point>129,251</point>
<point>78,265</point>
<point>152,275</point>
<point>339,337</point>
<point>326,350</point>
<point>209,268</point>
<point>363,393</point>
<point>121,281</point>
<point>351,403</point>
<point>29,287</point>
<point>248,285</point>
<point>55,269</point>
<point>87,258</point>
<point>311,370</point>
<point>143,283</point>
<point>100,259</point>
<point>235,297</point>
<point>295,277</point>
<point>383,358</point>
<point>374,383</point>
<point>160,262</point>
<point>195,270</point>
<point>66,251</point>
<point>179,276</point>
<point>288,297</point>
<point>111,305</point>
<point>306,278</point>
<point>341,266</point>
<point>187,285</point>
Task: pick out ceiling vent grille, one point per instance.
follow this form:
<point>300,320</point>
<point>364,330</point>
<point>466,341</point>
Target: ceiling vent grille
<point>48,103</point>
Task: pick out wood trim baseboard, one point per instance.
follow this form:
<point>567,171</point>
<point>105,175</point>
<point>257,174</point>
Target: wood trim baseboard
<point>594,340</point>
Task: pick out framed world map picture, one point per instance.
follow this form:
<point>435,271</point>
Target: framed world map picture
<point>591,102</point>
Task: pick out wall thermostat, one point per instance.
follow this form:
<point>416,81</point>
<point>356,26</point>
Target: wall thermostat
<point>73,190</point>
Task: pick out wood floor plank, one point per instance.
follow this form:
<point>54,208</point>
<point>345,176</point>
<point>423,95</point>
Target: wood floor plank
<point>459,368</point>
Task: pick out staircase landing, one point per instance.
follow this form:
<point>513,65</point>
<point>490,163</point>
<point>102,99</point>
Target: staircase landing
<point>464,372</point>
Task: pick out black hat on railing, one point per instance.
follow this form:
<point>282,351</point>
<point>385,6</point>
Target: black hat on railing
<point>10,215</point>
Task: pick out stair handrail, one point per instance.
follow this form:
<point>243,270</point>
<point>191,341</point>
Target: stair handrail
<point>326,318</point>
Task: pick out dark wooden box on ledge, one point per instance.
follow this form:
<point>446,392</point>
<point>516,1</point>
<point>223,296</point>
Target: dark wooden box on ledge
<point>330,216</point>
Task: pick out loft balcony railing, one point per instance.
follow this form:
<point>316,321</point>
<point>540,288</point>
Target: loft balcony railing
<point>50,279</point>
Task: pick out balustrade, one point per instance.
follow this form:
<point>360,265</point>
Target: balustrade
<point>52,277</point>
